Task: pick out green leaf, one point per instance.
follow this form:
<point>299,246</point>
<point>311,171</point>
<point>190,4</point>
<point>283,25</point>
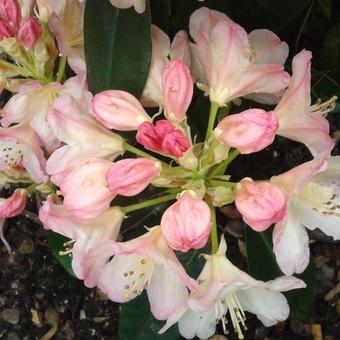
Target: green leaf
<point>262,265</point>
<point>330,52</point>
<point>117,47</point>
<point>136,322</point>
<point>56,243</point>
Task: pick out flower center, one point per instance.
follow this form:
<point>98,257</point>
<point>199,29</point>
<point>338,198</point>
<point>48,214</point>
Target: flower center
<point>231,303</point>
<point>137,279</point>
<point>11,154</point>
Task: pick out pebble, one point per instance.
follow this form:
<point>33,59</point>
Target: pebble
<point>26,247</point>
<point>11,315</point>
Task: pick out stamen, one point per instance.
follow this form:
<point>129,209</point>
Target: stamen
<point>325,107</point>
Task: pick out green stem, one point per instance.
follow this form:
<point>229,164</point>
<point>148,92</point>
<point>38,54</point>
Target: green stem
<point>222,167</point>
<point>213,232</point>
<point>61,68</point>
<point>31,187</point>
<point>148,203</point>
<point>212,117</point>
<point>136,151</point>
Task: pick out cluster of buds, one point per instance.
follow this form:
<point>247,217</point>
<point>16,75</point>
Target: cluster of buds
<point>57,137</point>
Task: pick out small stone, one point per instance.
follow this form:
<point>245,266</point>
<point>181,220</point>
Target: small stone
<point>82,315</point>
<point>12,336</point>
<point>2,301</point>
<point>11,315</point>
<point>26,247</point>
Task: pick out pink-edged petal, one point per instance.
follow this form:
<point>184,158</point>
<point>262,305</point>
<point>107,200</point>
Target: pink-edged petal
<point>180,48</point>
<point>295,179</point>
<point>166,292</point>
<point>290,241</point>
<point>152,95</point>
<point>293,111</point>
<point>87,234</point>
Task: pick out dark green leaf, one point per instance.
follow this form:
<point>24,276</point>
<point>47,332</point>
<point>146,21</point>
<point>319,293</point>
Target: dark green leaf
<point>330,52</point>
<point>136,322</point>
<point>56,241</point>
<point>326,7</point>
<point>263,266</point>
<point>117,47</point>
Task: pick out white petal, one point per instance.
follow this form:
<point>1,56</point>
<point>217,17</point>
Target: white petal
<point>201,324</point>
<point>166,292</point>
<point>291,243</point>
<point>322,216</point>
<point>125,276</point>
<point>270,307</point>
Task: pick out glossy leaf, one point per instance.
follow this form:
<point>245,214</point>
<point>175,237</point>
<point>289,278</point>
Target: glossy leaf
<point>137,322</point>
<point>330,52</point>
<point>263,266</point>
<point>326,7</point>
<point>117,47</point>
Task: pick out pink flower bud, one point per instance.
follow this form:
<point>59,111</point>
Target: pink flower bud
<point>119,110</point>
<point>261,204</point>
<point>85,190</point>
<point>148,137</point>
<point>5,31</point>
<point>175,144</point>
<point>177,90</point>
<point>29,32</point>
<point>186,224</point>
<point>131,176</point>
<point>10,11</point>
<point>13,205</point>
<point>249,131</point>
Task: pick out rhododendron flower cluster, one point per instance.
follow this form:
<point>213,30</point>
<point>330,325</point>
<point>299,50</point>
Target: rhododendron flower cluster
<point>59,139</point>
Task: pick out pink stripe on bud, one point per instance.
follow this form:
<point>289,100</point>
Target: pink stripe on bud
<point>10,12</point>
<point>119,110</point>
<point>186,224</point>
<point>177,90</point>
<point>261,204</point>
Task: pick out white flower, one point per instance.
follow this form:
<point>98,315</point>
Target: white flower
<point>227,292</point>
